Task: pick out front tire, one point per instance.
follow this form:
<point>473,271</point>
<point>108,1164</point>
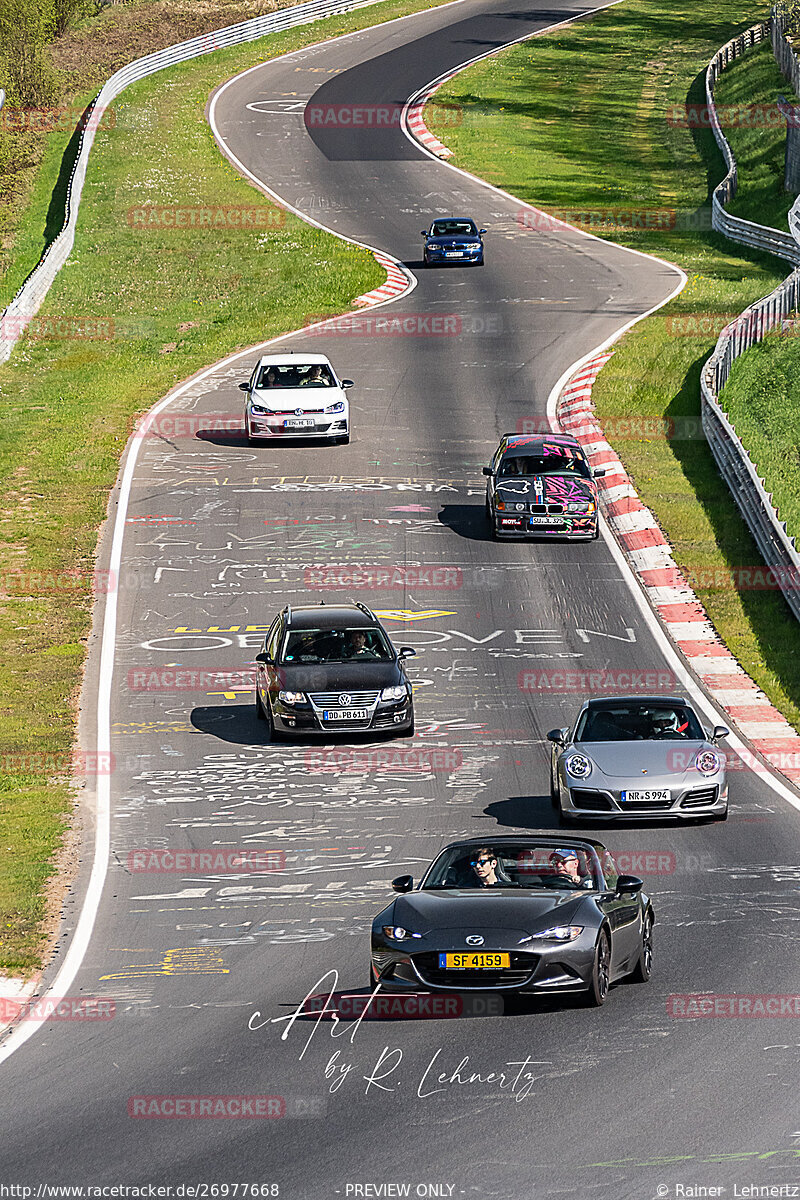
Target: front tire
<point>601,972</point>
<point>644,966</point>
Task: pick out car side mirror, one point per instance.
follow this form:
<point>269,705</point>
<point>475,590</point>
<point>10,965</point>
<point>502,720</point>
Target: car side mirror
<point>424,232</point>
<point>407,652</point>
<point>403,883</point>
<point>629,885</point>
<point>556,735</point>
<point>347,383</point>
<point>263,657</point>
<point>244,387</point>
<point>487,470</point>
<point>598,472</point>
<point>481,231</point>
<point>719,731</point>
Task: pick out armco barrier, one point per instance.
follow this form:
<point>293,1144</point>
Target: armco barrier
<point>734,463</point>
<point>33,291</point>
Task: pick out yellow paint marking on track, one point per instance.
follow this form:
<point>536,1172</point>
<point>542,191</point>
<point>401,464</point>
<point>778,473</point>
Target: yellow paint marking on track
<point>185,960</point>
<point>420,614</point>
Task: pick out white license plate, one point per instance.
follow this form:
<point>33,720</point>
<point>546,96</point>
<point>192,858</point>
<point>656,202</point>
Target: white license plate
<point>454,253</point>
<point>345,714</point>
<point>546,521</point>
<point>298,424</point>
<point>645,794</point>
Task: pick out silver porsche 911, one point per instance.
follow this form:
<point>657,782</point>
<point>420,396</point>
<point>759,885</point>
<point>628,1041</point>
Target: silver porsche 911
<point>638,756</point>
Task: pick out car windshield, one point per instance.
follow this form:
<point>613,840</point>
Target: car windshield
<point>552,460</point>
<point>294,375</point>
<point>632,721</point>
<point>336,645</point>
<point>523,865</point>
<point>452,228</point>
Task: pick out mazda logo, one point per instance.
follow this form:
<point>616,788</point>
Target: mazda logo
<point>345,699</point>
<point>474,939</point>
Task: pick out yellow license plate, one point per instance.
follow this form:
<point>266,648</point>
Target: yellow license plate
<point>474,962</point>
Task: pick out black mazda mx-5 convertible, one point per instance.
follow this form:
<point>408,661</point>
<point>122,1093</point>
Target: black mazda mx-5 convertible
<point>535,914</point>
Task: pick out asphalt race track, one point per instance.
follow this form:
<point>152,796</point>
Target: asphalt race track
<point>625,1101</point>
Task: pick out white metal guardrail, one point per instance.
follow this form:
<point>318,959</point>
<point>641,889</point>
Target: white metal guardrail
<point>737,469</point>
<point>28,299</point>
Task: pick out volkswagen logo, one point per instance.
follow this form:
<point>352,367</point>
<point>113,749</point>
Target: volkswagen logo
<point>474,939</point>
<point>345,699</point>
<point>298,412</point>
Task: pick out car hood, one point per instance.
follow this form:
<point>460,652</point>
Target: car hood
<point>288,399</point>
<point>545,489</point>
<point>473,912</point>
<point>339,677</point>
<point>628,759</point>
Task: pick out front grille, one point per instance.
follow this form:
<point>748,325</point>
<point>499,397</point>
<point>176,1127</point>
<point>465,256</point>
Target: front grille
<point>594,801</point>
<point>648,806</point>
<point>520,971</point>
<point>331,699</point>
<point>700,797</point>
<point>546,509</point>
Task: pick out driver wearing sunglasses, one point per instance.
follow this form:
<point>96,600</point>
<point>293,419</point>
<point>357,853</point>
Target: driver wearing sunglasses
<point>484,868</point>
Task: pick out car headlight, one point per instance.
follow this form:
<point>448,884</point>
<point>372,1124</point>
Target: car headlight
<point>394,693</point>
<point>473,246</point>
<point>256,408</point>
<point>557,933</point>
<point>398,934</point>
<point>707,762</point>
<point>500,505</point>
<point>292,697</point>
<point>334,408</point>
<point>578,765</point>
<point>580,506</point>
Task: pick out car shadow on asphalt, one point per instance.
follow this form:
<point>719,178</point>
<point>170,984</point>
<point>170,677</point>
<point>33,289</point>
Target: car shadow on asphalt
<point>239,725</point>
<point>535,812</point>
<point>467,520</point>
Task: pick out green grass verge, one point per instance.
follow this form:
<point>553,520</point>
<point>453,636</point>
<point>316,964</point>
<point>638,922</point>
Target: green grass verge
<point>577,121</point>
<point>175,301</point>
<point>762,396</point>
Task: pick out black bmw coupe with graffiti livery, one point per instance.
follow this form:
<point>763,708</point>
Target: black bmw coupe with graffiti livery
<point>536,914</point>
<point>539,486</point>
